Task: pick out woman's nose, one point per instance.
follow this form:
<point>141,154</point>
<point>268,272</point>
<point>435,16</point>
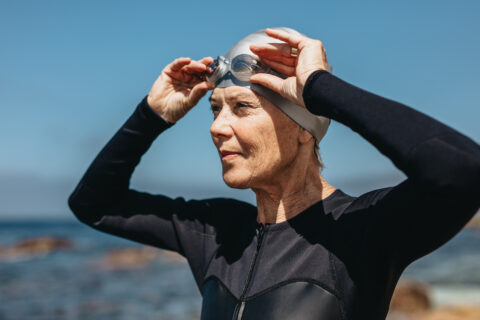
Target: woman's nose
<point>221,126</point>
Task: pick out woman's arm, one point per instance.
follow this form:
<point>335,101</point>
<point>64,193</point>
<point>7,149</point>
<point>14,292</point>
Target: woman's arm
<point>442,191</point>
<point>104,201</point>
<point>103,198</point>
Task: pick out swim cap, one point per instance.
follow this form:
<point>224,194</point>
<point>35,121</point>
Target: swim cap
<point>316,125</point>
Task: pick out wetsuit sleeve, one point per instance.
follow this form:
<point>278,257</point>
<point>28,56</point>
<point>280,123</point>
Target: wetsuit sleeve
<point>104,201</point>
<point>442,189</point>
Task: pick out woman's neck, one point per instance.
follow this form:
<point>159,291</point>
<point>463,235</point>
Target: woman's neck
<point>294,193</point>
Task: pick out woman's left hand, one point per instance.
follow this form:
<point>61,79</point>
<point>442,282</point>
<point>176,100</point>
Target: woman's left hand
<point>311,57</point>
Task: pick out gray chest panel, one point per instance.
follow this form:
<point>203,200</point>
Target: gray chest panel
<point>290,301</point>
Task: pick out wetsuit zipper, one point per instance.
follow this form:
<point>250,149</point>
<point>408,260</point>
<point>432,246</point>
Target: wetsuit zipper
<point>237,314</point>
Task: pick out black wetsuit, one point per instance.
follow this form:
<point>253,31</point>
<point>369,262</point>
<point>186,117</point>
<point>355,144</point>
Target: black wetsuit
<point>340,258</point>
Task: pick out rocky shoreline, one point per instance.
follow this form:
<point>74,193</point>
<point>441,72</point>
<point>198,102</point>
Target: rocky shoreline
<point>34,247</point>
<point>412,300</point>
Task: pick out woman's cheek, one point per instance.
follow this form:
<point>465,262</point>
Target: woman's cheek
<point>256,135</point>
<point>246,135</point>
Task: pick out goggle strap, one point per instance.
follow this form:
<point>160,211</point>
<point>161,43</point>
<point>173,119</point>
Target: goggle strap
<point>316,125</point>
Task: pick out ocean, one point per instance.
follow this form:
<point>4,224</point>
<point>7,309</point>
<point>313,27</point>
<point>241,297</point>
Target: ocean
<point>73,283</point>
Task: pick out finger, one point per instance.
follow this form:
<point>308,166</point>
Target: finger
<point>198,92</point>
<point>206,61</point>
<point>292,39</point>
<point>185,79</point>
<point>269,81</point>
<point>291,62</point>
<point>280,49</point>
<point>194,67</point>
<point>202,69</point>
<point>270,52</point>
<point>177,64</point>
<point>280,67</point>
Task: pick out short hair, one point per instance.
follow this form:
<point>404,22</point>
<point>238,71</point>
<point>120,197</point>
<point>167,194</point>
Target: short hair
<point>316,152</point>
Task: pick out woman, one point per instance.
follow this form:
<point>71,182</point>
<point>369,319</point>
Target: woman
<point>308,250</point>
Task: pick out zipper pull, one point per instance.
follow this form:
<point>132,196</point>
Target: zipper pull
<point>260,231</point>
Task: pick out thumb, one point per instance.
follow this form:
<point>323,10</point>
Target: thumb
<point>269,81</point>
<point>198,92</point>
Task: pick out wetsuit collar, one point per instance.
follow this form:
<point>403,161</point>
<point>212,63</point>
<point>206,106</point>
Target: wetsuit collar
<point>334,204</point>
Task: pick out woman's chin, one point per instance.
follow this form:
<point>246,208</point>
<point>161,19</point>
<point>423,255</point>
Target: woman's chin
<point>236,180</point>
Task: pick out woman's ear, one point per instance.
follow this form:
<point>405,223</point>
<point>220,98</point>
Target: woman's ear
<point>304,136</point>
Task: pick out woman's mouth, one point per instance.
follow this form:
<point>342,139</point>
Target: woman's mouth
<point>228,155</point>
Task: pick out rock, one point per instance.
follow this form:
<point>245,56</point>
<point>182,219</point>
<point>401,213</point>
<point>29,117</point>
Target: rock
<point>474,223</point>
<point>173,257</point>
<point>34,247</point>
<point>399,316</point>
<point>453,313</point>
<point>129,258</point>
<point>410,297</point>
<point>411,301</point>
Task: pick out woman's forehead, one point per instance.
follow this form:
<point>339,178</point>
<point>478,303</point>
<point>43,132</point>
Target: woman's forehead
<point>233,93</point>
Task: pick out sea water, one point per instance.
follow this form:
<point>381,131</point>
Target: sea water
<point>69,284</point>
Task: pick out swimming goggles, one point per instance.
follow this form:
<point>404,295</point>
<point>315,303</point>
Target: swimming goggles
<point>241,67</point>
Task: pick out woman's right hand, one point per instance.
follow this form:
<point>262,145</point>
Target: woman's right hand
<point>179,88</point>
<point>311,57</point>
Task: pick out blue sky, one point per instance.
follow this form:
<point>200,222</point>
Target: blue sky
<point>72,73</point>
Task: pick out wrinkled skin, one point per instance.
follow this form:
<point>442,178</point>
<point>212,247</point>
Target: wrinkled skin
<point>260,148</point>
<point>265,140</point>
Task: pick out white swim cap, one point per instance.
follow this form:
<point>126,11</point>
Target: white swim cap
<point>316,125</point>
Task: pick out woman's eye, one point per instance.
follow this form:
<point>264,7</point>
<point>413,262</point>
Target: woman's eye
<point>215,109</point>
<point>242,104</point>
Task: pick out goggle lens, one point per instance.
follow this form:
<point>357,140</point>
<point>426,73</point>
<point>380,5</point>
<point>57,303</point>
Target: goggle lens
<point>242,67</point>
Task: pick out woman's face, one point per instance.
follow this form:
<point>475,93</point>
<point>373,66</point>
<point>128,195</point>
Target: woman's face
<point>256,141</point>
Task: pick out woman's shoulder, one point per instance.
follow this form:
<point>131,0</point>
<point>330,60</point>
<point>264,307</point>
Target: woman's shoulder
<point>219,213</point>
<point>343,204</point>
<point>370,198</point>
